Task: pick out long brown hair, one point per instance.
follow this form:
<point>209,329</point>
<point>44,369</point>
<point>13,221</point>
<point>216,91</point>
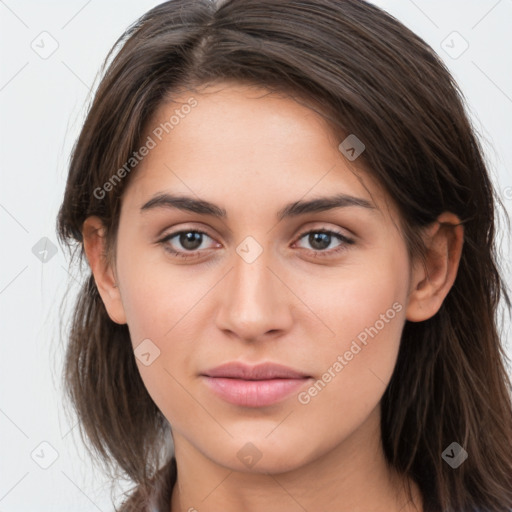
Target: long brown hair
<point>370,76</point>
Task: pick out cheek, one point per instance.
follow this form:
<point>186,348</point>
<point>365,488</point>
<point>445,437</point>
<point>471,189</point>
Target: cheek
<point>159,304</point>
<point>157,295</point>
<point>365,307</point>
<point>164,303</point>
<point>360,296</point>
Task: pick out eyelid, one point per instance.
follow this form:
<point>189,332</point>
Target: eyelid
<point>303,232</point>
<point>325,227</point>
<point>167,236</point>
<point>344,239</point>
<point>183,226</point>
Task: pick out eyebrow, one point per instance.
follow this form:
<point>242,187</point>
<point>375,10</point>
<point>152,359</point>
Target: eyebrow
<point>190,204</point>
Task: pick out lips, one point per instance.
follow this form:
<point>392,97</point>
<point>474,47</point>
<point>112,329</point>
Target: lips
<point>264,371</point>
<point>254,386</point>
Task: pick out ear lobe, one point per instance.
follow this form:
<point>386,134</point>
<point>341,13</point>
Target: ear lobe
<point>93,232</point>
<point>432,281</point>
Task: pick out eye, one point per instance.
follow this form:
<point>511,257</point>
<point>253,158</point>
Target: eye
<point>189,240</point>
<point>188,243</point>
<point>321,239</point>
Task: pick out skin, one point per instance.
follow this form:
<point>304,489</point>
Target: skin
<point>251,153</point>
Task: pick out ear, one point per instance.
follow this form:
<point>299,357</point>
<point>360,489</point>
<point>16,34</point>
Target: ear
<point>93,232</point>
<point>431,282</point>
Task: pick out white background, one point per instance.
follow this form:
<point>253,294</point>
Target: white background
<point>42,103</point>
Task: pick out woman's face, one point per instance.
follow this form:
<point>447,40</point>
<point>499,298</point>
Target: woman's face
<point>320,290</point>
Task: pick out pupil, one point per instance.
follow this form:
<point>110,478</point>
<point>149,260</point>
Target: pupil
<point>319,240</point>
<point>190,240</point>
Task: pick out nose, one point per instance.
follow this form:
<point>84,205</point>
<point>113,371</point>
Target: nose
<point>255,303</point>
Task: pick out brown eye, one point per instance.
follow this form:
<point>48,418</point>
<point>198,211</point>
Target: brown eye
<point>190,240</point>
<point>186,241</point>
<point>321,239</point>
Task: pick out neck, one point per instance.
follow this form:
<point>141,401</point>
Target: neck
<point>351,477</point>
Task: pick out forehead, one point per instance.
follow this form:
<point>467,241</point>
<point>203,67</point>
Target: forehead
<point>238,141</point>
<point>240,123</point>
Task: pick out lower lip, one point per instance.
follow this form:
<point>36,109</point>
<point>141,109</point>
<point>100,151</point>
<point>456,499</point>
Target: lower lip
<point>253,393</point>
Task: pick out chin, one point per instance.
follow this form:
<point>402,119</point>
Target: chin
<point>259,457</point>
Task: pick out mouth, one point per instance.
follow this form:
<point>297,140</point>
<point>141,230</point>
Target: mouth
<point>254,386</point>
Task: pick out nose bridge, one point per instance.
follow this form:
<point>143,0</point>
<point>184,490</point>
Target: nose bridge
<point>253,301</point>
<point>251,280</point>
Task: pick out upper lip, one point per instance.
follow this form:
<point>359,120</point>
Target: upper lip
<point>263,371</point>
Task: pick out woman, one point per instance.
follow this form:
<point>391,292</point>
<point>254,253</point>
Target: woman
<point>293,289</point>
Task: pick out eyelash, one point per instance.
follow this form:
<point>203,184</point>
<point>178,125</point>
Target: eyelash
<point>321,253</point>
